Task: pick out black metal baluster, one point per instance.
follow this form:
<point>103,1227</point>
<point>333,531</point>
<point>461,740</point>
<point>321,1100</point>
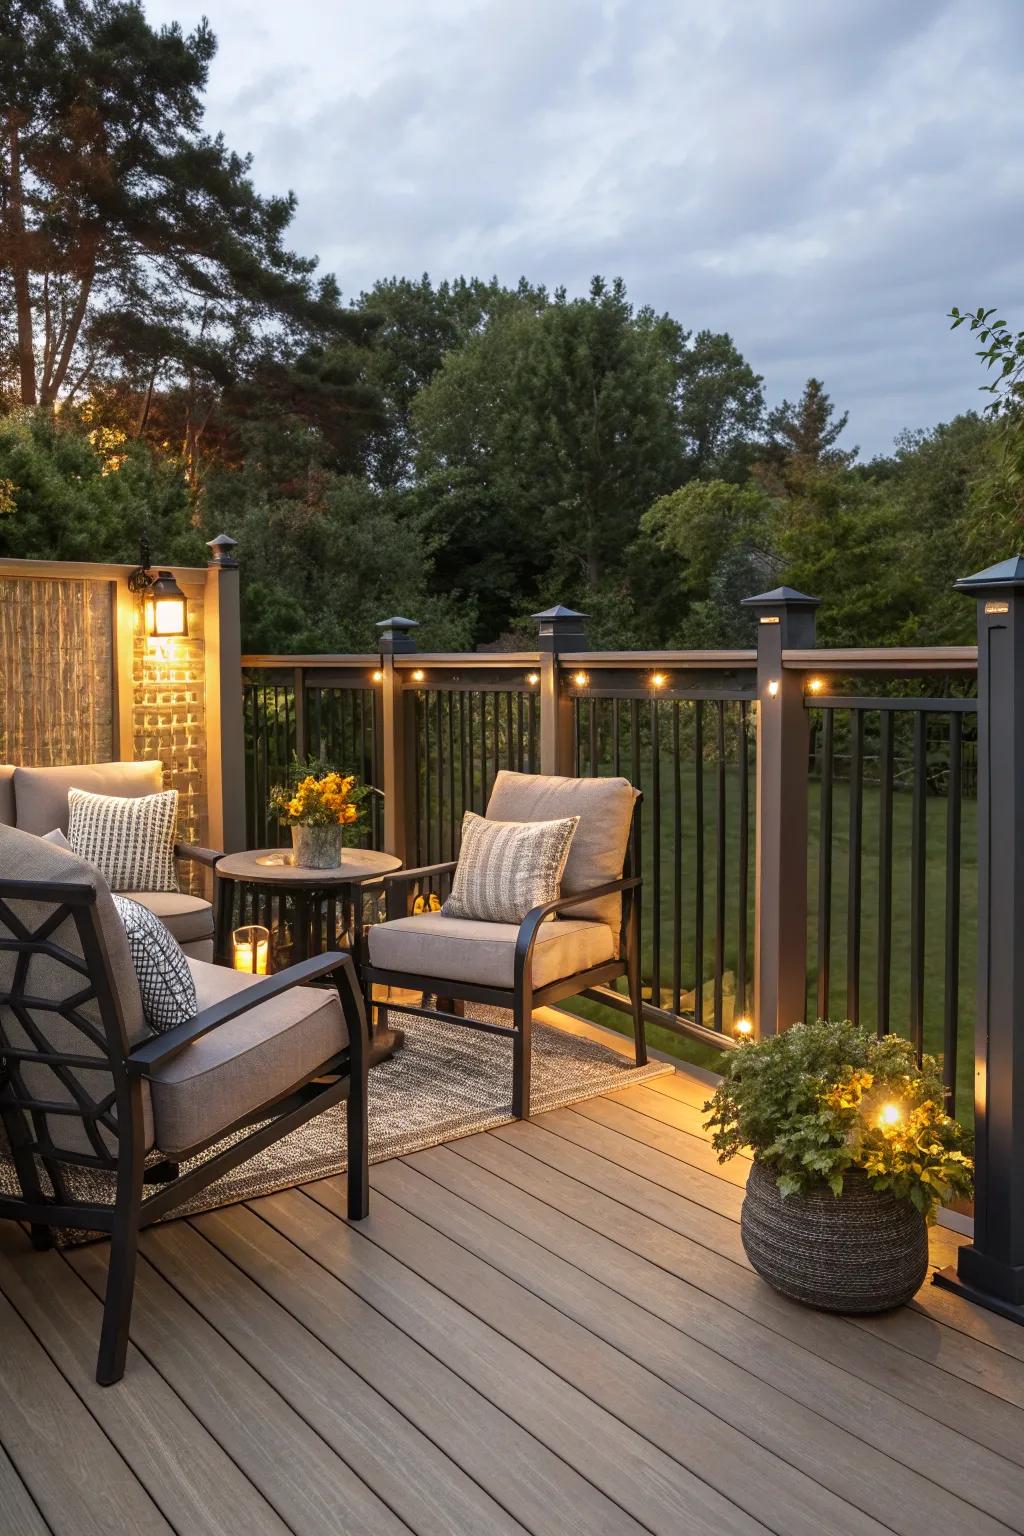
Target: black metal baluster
<point>453,814</point>
<point>698,862</point>
<point>592,736</point>
<point>616,739</point>
<point>885,872</point>
<point>655,886</point>
<point>825,862</point>
<point>744,862</point>
<point>520,742</point>
<point>855,871</point>
<point>677,860</point>
<point>918,839</point>
<point>532,744</point>
<point>951,1009</point>
<point>720,867</point>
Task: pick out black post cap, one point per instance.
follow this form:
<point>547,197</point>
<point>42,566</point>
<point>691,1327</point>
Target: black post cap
<point>396,635</point>
<point>222,551</point>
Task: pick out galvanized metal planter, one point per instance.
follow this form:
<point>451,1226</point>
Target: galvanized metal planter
<point>318,847</point>
<point>858,1252</point>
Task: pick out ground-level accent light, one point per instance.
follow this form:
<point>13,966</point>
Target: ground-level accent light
<point>533,678</point>
<point>580,679</point>
<point>889,1115</point>
<point>773,688</point>
<point>164,609</point>
<point>743,1029</point>
<point>419,675</point>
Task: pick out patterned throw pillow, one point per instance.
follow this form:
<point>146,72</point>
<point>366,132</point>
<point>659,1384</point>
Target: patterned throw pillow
<point>506,868</point>
<point>130,841</point>
<point>165,981</point>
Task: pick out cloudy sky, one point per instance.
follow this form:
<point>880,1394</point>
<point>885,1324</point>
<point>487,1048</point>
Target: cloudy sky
<point>821,178</point>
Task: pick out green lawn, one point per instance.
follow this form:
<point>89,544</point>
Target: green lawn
<point>934,903</point>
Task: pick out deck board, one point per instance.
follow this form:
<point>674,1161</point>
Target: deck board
<point>549,1328</point>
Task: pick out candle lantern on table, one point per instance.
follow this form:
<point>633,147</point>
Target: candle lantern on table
<point>251,949</point>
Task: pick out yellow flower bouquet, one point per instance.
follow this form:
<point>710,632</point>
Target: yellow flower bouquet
<point>320,809</point>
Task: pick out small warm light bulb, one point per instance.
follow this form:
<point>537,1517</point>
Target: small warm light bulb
<point>890,1114</point>
<point>378,676</point>
<point>533,678</point>
<point>773,688</point>
<point>743,1029</point>
<point>581,679</point>
<point>815,684</point>
<point>658,680</point>
<point>418,675</point>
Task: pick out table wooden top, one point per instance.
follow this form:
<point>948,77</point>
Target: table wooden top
<point>274,866</point>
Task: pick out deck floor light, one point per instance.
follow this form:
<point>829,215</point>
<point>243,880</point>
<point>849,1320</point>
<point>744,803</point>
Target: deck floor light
<point>165,611</point>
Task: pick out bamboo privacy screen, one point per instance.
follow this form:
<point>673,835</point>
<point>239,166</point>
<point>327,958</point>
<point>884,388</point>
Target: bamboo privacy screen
<point>56,671</point>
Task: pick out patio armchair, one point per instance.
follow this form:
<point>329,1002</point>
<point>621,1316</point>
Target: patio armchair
<point>588,937</point>
<point>86,1089</point>
<point>36,800</point>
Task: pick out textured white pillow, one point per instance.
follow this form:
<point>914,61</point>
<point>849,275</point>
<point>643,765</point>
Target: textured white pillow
<point>130,840</point>
<point>165,981</point>
<point>506,868</point>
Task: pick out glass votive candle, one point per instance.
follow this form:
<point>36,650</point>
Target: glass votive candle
<point>251,949</point>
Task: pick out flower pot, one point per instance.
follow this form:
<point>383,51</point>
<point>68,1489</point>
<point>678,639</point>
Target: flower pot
<point>856,1252</point>
<point>317,847</point>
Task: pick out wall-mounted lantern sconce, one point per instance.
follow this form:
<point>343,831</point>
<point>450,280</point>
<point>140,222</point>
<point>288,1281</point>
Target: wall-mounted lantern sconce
<point>773,689</point>
<point>165,611</point>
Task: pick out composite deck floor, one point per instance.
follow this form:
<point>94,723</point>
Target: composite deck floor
<point>548,1328</point>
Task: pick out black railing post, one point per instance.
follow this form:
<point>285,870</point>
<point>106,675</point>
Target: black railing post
<point>990,1270</point>
<point>397,751</point>
<point>785,621</point>
<point>560,630</point>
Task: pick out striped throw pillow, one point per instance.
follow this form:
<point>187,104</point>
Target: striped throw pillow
<point>130,841</point>
<point>506,868</point>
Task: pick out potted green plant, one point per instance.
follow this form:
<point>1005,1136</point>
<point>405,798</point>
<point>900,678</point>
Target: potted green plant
<point>321,810</point>
<point>853,1154</point>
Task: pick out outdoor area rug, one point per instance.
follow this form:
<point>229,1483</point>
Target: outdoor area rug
<point>445,1082</point>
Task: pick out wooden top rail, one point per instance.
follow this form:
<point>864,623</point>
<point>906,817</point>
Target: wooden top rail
<point>289,663</point>
<point>591,659</point>
<point>899,660</point>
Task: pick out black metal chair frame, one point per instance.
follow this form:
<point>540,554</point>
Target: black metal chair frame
<point>114,1123</point>
<point>522,997</point>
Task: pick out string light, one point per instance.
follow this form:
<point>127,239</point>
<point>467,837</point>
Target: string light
<point>581,679</point>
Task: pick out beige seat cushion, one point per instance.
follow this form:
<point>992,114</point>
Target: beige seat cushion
<point>459,949</point>
<point>189,918</point>
<point>41,794</point>
<point>23,857</point>
<point>245,1063</point>
<point>598,849</point>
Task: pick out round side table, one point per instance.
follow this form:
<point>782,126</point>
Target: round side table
<point>316,904</point>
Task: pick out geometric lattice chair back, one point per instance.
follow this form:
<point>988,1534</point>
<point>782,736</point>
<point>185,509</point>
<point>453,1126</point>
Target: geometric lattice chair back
<point>69,1010</point>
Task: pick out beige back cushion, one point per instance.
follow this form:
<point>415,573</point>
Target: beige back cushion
<point>6,794</point>
<point>24,857</point>
<point>598,849</point>
<point>41,794</point>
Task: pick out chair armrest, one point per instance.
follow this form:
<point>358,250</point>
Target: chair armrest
<point>530,926</point>
<point>198,855</point>
<point>421,873</point>
<point>162,1048</point>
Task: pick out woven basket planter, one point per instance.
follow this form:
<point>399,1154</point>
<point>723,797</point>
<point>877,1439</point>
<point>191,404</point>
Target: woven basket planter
<point>860,1252</point>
